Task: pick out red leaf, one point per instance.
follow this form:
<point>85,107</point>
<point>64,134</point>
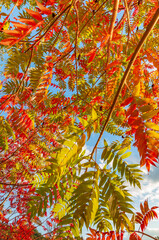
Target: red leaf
<point>131,120</point>
<point>7,41</point>
<point>154,207</point>
<point>18,2</point>
<point>154,213</point>
<point>130,109</point>
<point>127,101</point>
<point>34,14</point>
<point>91,55</point>
<point>43,9</point>
<point>28,21</point>
<point>135,236</point>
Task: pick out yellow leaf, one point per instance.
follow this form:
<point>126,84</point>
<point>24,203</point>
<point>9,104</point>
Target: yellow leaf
<point>152,125</point>
<point>6,25</point>
<point>94,115</point>
<point>89,130</point>
<point>95,125</point>
<point>81,142</point>
<point>94,118</point>
<point>136,91</point>
<point>150,114</point>
<point>153,134</point>
<point>83,121</point>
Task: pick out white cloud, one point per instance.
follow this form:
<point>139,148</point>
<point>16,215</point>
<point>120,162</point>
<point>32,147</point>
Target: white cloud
<point>88,149</point>
<point>101,164</point>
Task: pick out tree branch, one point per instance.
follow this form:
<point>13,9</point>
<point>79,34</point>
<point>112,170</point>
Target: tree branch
<point>76,45</point>
<point>145,234</point>
<point>16,185</point>
<point>1,205</point>
<point>123,80</point>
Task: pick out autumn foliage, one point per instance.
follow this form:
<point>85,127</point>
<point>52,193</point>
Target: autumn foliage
<point>73,74</point>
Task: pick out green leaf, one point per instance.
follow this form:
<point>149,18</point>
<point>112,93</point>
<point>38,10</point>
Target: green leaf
<point>83,121</point>
<point>40,207</point>
<point>150,114</point>
<point>115,161</point>
<point>126,155</point>
<point>50,198</point>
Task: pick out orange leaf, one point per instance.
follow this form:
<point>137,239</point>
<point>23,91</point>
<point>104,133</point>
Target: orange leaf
<point>7,41</point>
<point>20,26</point>
<point>146,206</point>
<point>28,21</point>
<point>43,9</point>
<point>142,209</point>
<point>14,33</point>
<point>34,14</point>
<point>19,2</point>
<point>28,31</point>
<point>92,231</point>
<point>112,64</point>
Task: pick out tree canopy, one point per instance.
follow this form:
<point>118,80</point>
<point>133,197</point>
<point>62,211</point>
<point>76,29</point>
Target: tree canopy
<point>75,72</point>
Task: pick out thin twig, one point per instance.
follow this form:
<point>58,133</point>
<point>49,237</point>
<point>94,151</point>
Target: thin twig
<point>111,29</point>
<point>127,12</point>
<point>128,19</point>
<point>123,80</point>
<point>1,205</point>
<point>52,23</point>
<point>61,27</point>
<point>76,45</point>
<point>65,55</point>
<point>81,31</point>
<point>144,234</point>
<point>92,16</point>
<point>5,20</point>
<point>124,15</point>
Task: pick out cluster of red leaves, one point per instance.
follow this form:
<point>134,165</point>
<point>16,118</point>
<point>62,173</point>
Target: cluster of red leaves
<point>22,30</point>
<point>135,115</point>
<point>112,235</point>
<point>20,226</point>
<point>146,215</point>
<point>135,236</point>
